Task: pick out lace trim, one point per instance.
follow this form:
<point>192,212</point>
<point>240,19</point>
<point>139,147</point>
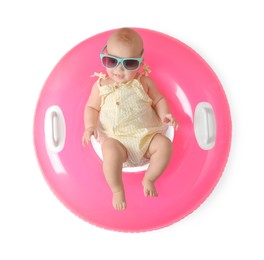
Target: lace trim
<point>100,75</point>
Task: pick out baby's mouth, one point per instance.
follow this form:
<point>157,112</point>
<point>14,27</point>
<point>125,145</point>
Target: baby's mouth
<point>119,76</point>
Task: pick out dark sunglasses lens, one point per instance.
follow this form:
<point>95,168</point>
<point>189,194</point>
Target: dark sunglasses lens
<point>109,62</point>
<point>131,64</point>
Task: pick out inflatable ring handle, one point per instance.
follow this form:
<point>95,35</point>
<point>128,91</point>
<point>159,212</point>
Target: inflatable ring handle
<point>55,129</point>
<point>205,125</point>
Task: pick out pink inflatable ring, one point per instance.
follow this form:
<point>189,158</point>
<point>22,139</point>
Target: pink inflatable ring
<point>201,145</point>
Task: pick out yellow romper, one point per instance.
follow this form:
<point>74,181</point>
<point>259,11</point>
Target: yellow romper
<point>127,115</point>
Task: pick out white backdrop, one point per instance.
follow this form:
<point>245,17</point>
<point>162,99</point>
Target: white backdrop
<point>36,34</point>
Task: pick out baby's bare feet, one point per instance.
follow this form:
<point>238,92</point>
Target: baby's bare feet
<point>119,200</point>
<point>149,188</point>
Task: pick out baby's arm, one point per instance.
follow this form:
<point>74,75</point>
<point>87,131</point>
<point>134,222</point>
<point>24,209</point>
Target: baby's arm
<point>159,102</point>
<point>91,113</point>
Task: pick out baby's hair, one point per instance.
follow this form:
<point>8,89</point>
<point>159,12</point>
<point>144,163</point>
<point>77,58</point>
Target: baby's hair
<point>128,36</point>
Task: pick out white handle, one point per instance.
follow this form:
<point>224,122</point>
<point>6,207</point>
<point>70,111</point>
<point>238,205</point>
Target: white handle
<point>55,129</point>
<point>205,125</point>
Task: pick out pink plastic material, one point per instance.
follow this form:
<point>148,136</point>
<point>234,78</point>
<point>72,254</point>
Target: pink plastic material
<point>75,173</point>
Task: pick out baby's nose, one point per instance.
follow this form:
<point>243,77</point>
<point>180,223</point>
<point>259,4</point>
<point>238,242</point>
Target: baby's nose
<point>120,67</point>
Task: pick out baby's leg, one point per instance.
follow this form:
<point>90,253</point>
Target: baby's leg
<point>159,152</point>
<point>114,155</point>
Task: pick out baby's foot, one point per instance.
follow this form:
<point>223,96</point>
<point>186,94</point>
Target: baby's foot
<point>149,188</point>
<point>119,200</point>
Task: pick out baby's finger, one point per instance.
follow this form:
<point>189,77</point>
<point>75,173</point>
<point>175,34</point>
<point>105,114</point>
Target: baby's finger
<point>95,134</point>
<point>168,119</point>
<point>83,141</point>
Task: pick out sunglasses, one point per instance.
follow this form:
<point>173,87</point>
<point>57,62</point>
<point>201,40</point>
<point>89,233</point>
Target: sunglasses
<point>112,62</point>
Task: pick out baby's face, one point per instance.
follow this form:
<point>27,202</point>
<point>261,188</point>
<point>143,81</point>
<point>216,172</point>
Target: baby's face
<point>119,74</point>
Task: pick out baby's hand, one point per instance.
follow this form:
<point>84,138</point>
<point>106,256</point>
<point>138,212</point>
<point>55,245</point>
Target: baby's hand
<point>170,120</point>
<point>87,135</point>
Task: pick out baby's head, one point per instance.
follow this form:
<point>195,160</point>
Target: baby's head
<point>124,43</point>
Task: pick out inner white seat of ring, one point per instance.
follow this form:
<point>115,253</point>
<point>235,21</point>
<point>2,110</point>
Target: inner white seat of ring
<point>98,150</point>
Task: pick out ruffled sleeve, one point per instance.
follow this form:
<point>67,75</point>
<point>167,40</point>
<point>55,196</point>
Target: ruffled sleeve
<point>105,90</point>
<point>100,75</point>
<point>145,71</point>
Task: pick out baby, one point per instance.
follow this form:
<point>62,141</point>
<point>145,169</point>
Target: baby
<point>128,115</point>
